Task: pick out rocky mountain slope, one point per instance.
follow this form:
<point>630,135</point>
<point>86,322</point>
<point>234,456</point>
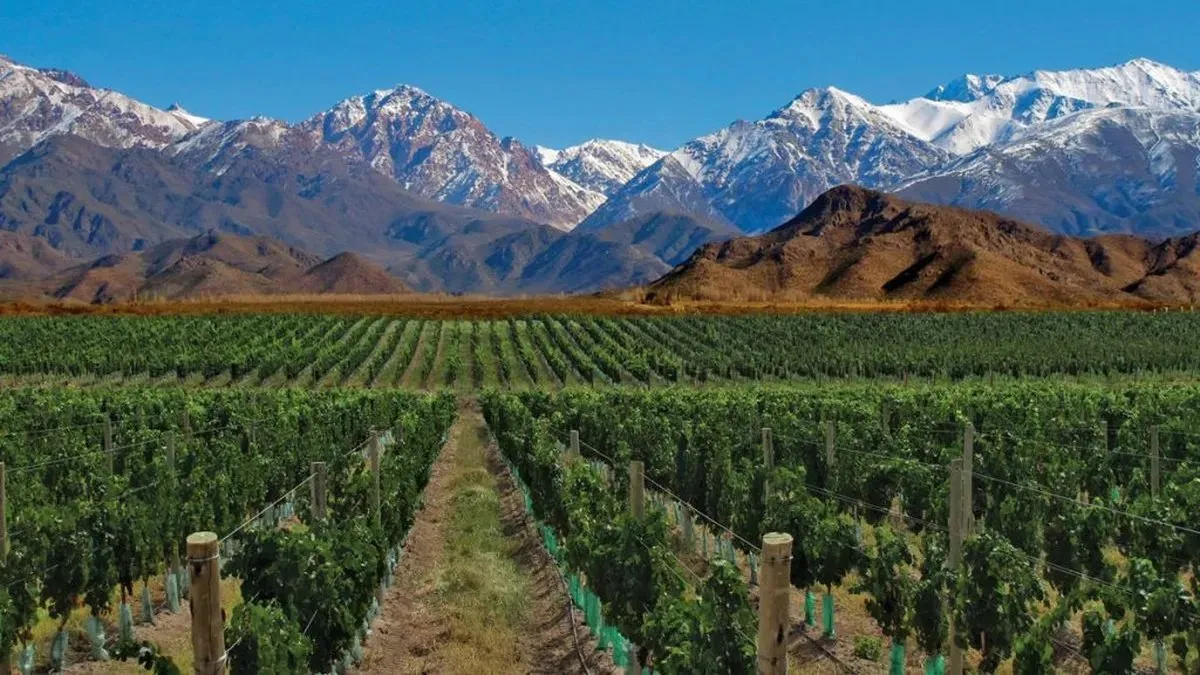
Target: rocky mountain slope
<point>858,244</point>
<point>1117,169</point>
<point>36,104</point>
<point>426,145</point>
<point>80,201</point>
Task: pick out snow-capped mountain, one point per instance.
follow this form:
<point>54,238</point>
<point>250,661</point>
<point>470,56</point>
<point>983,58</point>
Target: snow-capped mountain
<point>600,165</point>
<point>427,145</point>
<point>758,174</point>
<point>978,110</point>
<point>447,154</point>
<point>1114,169</point>
<point>36,104</point>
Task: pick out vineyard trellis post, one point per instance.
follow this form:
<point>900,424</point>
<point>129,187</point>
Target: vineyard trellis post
<point>208,624</point>
<point>187,424</point>
<point>774,584</point>
<point>954,557</point>
<point>173,488</point>
<point>1155,475</point>
<point>5,656</point>
<point>637,489</point>
<point>373,458</point>
<point>967,524</point>
<point>768,451</point>
<point>108,443</point>
<point>574,449</point>
<point>3,512</point>
<point>830,440</point>
<point>318,491</point>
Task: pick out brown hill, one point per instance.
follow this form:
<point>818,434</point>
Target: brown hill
<point>213,265</point>
<point>858,244</point>
<point>347,274</point>
<point>23,257</point>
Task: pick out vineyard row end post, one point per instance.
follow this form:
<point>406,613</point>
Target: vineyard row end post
<point>574,448</point>
<point>774,593</point>
<point>208,622</point>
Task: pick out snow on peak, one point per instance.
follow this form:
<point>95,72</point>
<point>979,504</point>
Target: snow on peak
<point>182,113</point>
<point>969,87</point>
<point>599,165</point>
<point>41,103</point>
<point>975,111</point>
<point>546,156</point>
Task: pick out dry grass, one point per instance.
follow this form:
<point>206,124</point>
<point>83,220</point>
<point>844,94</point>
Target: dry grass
<point>625,303</point>
<point>485,593</point>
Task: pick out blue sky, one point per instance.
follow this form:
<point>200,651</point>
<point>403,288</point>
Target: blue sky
<point>556,72</point>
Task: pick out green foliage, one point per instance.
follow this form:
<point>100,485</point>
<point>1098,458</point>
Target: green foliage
<point>889,581</point>
<point>705,635</point>
<point>263,639</point>
<point>995,596</point>
<point>1110,647</point>
<point>930,623</point>
<point>868,647</point>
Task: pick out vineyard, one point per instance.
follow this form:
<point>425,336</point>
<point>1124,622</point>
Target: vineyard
<point>550,351</point>
<point>102,488</point>
<point>1077,547</point>
<point>1008,492</point>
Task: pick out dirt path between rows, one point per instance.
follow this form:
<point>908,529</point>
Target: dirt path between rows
<point>475,590</point>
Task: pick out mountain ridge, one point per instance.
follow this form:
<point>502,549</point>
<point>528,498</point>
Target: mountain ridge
<point>857,244</point>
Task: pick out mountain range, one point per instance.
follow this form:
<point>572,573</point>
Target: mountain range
<point>425,191</point>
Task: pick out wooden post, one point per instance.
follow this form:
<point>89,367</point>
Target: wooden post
<point>637,489</point>
<point>574,449</point>
<point>968,471</point>
<point>3,512</point>
<point>768,450</point>
<point>954,557</point>
<point>108,443</point>
<point>774,591</point>
<point>173,487</point>
<point>373,458</point>
<point>208,621</point>
<point>318,491</point>
<point>6,656</point>
<point>830,439</point>
<point>1155,475</point>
